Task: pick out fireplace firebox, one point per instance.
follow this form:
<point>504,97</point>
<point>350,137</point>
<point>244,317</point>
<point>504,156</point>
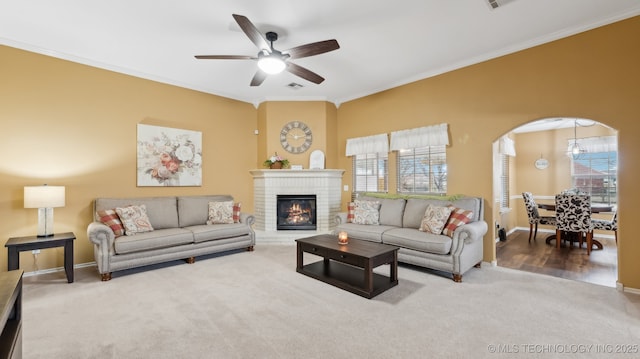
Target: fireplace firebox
<point>296,212</point>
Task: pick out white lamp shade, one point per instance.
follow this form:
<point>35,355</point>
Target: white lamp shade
<point>44,196</point>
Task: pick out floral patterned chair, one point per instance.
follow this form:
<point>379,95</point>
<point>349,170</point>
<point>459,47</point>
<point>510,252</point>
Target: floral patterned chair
<point>573,214</point>
<point>534,217</point>
<point>605,225</point>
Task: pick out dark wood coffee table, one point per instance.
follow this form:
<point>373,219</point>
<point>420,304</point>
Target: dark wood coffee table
<point>350,266</point>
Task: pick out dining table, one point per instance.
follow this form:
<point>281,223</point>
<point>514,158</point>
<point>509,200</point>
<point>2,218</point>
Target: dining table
<point>595,208</point>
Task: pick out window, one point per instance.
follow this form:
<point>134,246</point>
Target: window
<point>422,170</point>
<point>504,181</point>
<point>596,173</point>
<point>370,172</point>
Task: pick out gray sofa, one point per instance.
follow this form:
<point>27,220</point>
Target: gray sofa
<point>180,232</point>
<point>400,219</point>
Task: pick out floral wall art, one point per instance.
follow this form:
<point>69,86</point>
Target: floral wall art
<point>169,156</point>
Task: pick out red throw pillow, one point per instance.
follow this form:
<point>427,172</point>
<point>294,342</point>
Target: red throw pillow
<point>110,218</point>
<point>457,218</point>
<point>351,214</point>
<point>236,212</point>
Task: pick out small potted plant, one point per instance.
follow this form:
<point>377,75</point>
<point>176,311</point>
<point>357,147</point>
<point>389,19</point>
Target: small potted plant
<point>276,162</point>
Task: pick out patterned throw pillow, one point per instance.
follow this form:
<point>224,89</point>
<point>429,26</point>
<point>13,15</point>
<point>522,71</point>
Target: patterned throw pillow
<point>457,218</point>
<point>134,219</point>
<point>351,207</point>
<point>236,212</point>
<point>220,212</point>
<point>366,212</point>
<point>434,219</point>
<point>110,218</point>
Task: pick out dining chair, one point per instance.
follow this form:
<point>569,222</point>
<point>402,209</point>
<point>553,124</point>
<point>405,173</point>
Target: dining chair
<point>606,225</point>
<point>573,214</point>
<point>534,216</point>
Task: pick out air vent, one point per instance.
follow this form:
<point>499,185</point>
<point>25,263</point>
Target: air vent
<point>295,86</point>
<point>494,4</point>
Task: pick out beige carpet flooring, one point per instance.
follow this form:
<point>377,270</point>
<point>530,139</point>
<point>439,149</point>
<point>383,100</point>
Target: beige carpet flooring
<point>255,305</point>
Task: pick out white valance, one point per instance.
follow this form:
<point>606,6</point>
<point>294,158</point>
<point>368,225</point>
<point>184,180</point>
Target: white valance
<point>420,137</point>
<point>507,146</point>
<point>369,144</point>
<point>595,144</point>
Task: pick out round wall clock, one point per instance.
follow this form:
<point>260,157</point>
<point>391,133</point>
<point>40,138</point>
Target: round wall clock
<point>541,163</point>
<point>296,137</point>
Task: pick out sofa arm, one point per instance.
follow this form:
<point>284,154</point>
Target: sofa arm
<point>102,237</point>
<point>340,218</point>
<point>247,218</point>
<point>474,230</point>
<point>100,234</point>
<point>468,233</point>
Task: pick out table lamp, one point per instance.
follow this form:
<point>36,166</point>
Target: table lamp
<point>44,198</point>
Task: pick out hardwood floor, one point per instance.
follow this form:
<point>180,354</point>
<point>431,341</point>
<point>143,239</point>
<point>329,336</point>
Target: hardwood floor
<point>568,262</point>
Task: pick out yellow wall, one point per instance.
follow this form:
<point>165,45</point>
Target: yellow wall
<point>319,116</point>
<point>590,75</point>
<point>73,125</point>
<point>67,124</point>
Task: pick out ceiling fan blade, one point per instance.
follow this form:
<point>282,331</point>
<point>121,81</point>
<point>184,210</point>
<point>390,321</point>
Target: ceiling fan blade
<point>311,49</point>
<point>225,57</point>
<point>252,32</point>
<point>304,73</point>
<point>258,78</point>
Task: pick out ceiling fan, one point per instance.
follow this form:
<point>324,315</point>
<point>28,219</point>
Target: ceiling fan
<point>272,61</point>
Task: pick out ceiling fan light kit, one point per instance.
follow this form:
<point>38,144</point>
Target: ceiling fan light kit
<point>271,64</point>
<point>272,61</point>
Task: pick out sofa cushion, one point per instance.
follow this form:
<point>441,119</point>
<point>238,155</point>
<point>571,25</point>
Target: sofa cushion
<point>162,238</point>
<point>134,219</point>
<point>194,210</point>
<point>162,211</point>
<point>416,240</point>
<point>220,212</point>
<point>204,233</point>
<point>415,208</point>
<point>110,218</point>
<point>472,204</point>
<point>391,211</point>
<point>457,218</point>
<point>367,212</point>
<point>414,212</point>
<point>368,233</point>
<point>434,219</point>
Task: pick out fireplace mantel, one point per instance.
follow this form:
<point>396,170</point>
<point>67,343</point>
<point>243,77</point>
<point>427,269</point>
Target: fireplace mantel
<point>268,184</point>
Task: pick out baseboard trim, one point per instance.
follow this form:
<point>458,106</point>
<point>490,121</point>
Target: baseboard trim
<point>621,288</point>
<point>58,269</point>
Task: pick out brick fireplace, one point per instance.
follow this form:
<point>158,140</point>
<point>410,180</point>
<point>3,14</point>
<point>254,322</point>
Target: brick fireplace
<point>325,185</point>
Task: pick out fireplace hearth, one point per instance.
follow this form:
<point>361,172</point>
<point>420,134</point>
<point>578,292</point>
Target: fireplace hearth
<point>296,212</point>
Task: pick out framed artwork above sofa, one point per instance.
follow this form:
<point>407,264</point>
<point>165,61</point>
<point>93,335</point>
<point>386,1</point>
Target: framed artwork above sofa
<point>168,156</point>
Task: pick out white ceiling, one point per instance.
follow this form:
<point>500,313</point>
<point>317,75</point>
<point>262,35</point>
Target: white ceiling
<point>383,43</point>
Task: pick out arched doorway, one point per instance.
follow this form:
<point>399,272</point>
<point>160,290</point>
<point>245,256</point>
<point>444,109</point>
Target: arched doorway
<point>545,163</point>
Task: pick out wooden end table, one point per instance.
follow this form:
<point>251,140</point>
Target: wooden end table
<point>20,244</point>
<point>350,266</point>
